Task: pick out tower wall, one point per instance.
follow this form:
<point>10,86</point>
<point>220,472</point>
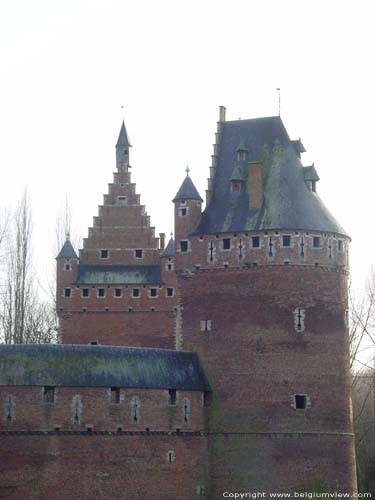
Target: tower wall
<point>243,322</point>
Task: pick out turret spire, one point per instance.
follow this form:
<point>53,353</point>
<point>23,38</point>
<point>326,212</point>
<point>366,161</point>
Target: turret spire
<point>122,149</point>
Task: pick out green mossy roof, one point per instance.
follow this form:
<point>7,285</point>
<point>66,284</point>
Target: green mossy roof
<point>100,366</point>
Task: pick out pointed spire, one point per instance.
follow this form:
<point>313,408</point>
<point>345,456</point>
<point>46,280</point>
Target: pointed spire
<point>187,190</point>
<point>169,249</point>
<point>67,251</point>
<point>122,148</point>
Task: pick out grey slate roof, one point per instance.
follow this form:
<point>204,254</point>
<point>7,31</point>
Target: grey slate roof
<point>100,366</point>
<point>169,249</point>
<point>119,275</point>
<point>123,138</point>
<point>288,202</point>
<point>187,191</point>
<point>310,174</point>
<point>67,251</point>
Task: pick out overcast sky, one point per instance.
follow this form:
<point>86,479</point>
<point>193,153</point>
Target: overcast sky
<point>67,67</point>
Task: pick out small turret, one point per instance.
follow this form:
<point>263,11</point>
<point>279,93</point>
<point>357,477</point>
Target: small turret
<point>122,149</point>
<point>66,273</point>
<point>187,214</point>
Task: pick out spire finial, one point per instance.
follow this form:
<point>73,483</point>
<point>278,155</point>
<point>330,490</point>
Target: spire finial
<point>123,113</point>
<point>171,235</point>
<point>187,170</point>
<point>279,91</point>
<point>67,236</point>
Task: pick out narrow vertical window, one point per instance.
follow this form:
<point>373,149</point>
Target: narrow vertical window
<point>299,319</point>
<point>135,407</point>
<point>255,241</point>
<point>115,395</point>
<point>184,246</point>
<point>48,394</point>
<point>226,243</point>
<point>186,411</point>
<point>206,325</point>
<point>316,241</point>
<point>172,397</point>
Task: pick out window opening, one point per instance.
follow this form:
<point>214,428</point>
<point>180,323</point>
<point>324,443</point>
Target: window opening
<point>286,240</point>
<point>299,319</point>
<point>240,249</point>
<point>206,325</point>
<point>182,211</point>
<point>67,267</point>
<point>170,456</point>
<point>170,292</point>
<point>270,246</point>
<point>186,411</point>
<point>302,245</point>
<point>255,241</point>
<point>104,254</point>
<point>67,292</point>
<point>316,241</point>
<point>115,395</point>
<point>48,394</point>
<point>85,292</point>
<point>101,293</point>
<point>172,397</point>
<point>135,409</point>
<point>340,245</point>
<point>153,292</point>
<point>300,401</point>
<point>184,246</point>
<point>226,243</point>
<point>211,249</point>
<point>136,292</point>
<point>118,292</point>
<point>139,253</point>
<point>330,248</point>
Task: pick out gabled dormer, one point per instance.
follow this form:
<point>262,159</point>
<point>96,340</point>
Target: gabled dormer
<point>311,177</point>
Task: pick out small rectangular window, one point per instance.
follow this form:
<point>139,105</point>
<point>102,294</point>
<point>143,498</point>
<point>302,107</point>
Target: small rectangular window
<point>67,292</point>
<point>115,395</point>
<point>136,292</point>
<point>138,253</point>
<point>255,240</point>
<point>207,397</point>
<point>300,401</point>
<point>101,293</point>
<point>340,245</point>
<point>169,267</point>
<point>286,240</point>
<point>172,397</point>
<point>316,241</point>
<point>121,200</point>
<point>182,211</point>
<point>67,267</point>
<point>48,394</point>
<point>85,292</point>
<point>226,243</point>
<point>206,325</point>
<point>184,246</point>
<point>153,292</point>
<point>104,254</point>
<point>170,291</point>
<point>118,292</point>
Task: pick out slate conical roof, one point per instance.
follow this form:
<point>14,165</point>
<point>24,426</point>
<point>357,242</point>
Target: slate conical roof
<point>67,251</point>
<point>169,249</point>
<point>288,201</point>
<point>187,191</point>
<point>123,138</point>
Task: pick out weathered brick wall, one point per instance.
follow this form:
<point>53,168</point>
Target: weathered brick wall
<point>74,408</point>
<point>92,466</point>
<point>256,362</point>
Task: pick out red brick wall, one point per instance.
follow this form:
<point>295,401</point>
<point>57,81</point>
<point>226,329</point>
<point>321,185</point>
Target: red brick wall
<point>109,467</point>
<point>97,409</point>
<point>256,361</point>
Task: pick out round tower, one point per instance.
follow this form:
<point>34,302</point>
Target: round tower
<point>265,307</point>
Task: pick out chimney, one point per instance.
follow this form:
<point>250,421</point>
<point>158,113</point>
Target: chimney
<point>162,241</point>
<point>255,184</point>
<point>222,110</point>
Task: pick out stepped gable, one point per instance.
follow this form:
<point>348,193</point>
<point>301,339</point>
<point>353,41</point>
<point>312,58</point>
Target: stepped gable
<point>122,224</point>
<point>100,366</point>
<point>288,203</point>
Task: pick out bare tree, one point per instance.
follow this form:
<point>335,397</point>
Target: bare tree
<point>23,317</point>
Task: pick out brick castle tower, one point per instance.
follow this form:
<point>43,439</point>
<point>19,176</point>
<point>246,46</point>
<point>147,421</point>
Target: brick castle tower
<point>218,363</point>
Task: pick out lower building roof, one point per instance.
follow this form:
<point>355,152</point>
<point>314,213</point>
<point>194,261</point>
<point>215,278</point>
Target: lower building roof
<point>119,275</point>
<point>69,365</point>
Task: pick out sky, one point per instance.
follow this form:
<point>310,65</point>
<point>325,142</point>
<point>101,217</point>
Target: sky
<point>68,66</point>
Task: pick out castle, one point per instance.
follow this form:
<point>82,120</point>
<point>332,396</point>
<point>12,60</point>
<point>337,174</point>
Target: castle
<point>211,364</point>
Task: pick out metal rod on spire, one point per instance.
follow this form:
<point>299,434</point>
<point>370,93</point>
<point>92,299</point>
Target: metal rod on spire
<point>279,92</point>
<point>187,170</point>
<point>123,114</point>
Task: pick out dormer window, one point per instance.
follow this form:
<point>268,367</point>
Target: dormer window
<point>242,154</point>
<point>236,186</point>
